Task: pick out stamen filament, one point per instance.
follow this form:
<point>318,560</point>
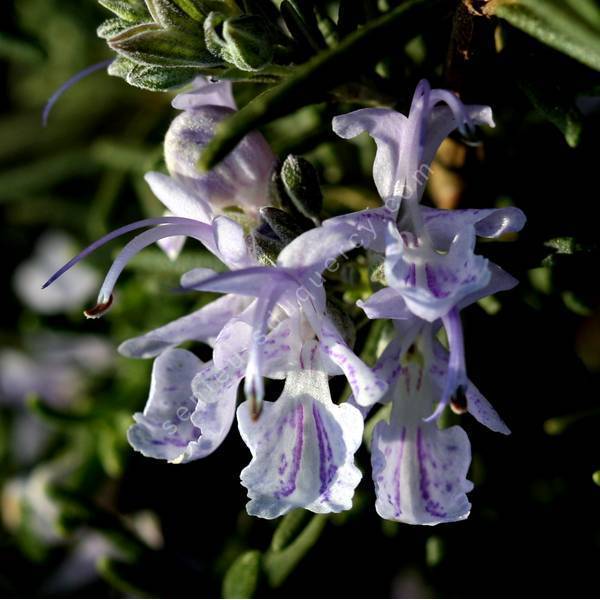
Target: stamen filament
<point>69,84</point>
<point>113,235</point>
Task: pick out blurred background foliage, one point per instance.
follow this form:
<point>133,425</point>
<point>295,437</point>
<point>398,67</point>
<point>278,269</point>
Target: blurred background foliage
<point>83,516</point>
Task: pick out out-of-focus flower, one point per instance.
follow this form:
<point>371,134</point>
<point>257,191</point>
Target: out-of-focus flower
<point>52,250</point>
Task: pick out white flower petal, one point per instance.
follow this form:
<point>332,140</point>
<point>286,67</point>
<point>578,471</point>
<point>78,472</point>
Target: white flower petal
<point>302,448</point>
<point>164,430</point>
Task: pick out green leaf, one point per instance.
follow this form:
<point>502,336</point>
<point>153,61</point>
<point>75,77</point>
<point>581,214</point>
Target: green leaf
<point>17,49</point>
<point>123,576</point>
<point>151,45</point>
<point>156,79</point>
<point>192,8</point>
<point>278,565</point>
<point>301,184</point>
<point>241,578</point>
<point>570,26</point>
<point>128,10</point>
<point>248,40</point>
<point>306,35</point>
<point>560,109</point>
<point>170,16</point>
<point>288,528</point>
<point>286,228</point>
<point>111,28</point>
<point>309,83</point>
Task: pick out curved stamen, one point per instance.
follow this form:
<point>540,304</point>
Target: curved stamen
<point>69,84</point>
<point>194,229</point>
<point>456,378</point>
<point>254,388</point>
<point>456,106</point>
<point>99,309</point>
<point>113,235</point>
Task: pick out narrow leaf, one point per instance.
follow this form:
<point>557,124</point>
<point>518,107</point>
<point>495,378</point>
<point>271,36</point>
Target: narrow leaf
<point>241,578</point>
<point>278,565</point>
<point>564,25</point>
<point>309,82</point>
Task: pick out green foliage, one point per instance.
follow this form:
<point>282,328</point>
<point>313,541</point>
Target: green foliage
<point>301,184</point>
<point>296,64</point>
<point>241,579</point>
<point>570,26</point>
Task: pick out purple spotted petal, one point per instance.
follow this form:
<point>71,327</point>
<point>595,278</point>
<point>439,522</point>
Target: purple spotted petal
<point>420,472</point>
<point>215,389</point>
<point>202,325</point>
<point>164,430</point>
<point>432,283</point>
<point>302,449</point>
<point>366,385</point>
<point>500,281</point>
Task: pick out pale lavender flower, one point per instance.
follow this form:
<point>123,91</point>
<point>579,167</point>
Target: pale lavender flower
<point>52,250</point>
<point>241,180</point>
<point>406,145</point>
<point>431,272</point>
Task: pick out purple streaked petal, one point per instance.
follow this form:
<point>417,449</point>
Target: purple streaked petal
<point>440,281</point>
<point>420,472</point>
<point>202,325</point>
<point>215,389</point>
<point>366,385</point>
<point>164,430</point>
<point>483,411</point>
<point>302,449</point>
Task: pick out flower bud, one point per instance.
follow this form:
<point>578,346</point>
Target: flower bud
<point>301,184</point>
<point>241,179</point>
<point>244,41</point>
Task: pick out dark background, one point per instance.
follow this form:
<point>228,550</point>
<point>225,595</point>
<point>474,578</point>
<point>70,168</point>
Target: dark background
<point>534,530</point>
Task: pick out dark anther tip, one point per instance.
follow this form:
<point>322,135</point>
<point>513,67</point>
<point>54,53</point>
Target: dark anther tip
<point>97,311</point>
<point>458,404</point>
